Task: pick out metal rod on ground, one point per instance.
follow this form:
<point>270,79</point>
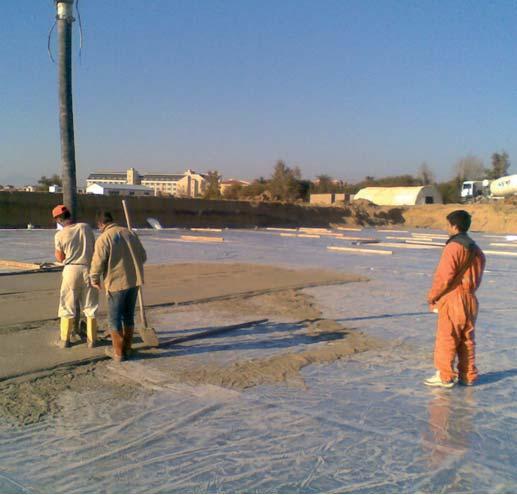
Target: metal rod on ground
<point>148,334</point>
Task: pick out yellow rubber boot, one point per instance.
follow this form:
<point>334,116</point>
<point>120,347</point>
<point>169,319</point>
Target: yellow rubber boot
<point>66,327</point>
<point>91,331</point>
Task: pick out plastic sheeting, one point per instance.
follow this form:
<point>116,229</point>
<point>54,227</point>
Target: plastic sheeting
<point>365,424</point>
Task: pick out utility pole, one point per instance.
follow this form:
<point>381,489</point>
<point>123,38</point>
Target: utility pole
<point>64,20</point>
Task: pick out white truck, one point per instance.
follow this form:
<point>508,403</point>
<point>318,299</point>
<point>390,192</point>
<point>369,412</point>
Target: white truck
<point>498,188</point>
<point>472,189</point>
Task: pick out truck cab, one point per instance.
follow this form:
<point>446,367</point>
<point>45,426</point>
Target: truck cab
<point>472,189</point>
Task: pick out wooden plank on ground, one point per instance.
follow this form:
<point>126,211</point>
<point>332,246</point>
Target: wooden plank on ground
<point>358,250</point>
<point>501,253</point>
<point>354,238</point>
<point>19,265</point>
<point>504,244</point>
<point>426,243</point>
<point>315,230</point>
<point>329,234</point>
<point>429,239</point>
<point>199,238</point>
<point>432,236</point>
<point>203,229</point>
<point>406,246</point>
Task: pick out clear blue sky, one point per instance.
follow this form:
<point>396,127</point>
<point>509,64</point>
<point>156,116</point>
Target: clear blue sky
<point>347,88</point>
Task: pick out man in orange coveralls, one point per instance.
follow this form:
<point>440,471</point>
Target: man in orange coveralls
<point>455,282</point>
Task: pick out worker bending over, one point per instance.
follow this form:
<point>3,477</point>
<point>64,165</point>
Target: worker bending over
<point>74,245</point>
<point>456,280</point>
<point>119,259</point>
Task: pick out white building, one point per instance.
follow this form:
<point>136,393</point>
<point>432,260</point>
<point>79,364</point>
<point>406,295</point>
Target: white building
<point>119,190</point>
<point>400,196</point>
<point>188,184</point>
<point>54,188</point>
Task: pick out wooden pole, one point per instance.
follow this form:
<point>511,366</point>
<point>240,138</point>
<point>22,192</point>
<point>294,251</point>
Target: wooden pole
<point>64,20</point>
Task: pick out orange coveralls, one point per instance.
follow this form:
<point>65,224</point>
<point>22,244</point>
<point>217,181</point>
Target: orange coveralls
<point>454,296</point>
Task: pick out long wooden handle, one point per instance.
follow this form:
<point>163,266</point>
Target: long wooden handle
<point>126,212</point>
<point>137,268</point>
<point>141,304</point>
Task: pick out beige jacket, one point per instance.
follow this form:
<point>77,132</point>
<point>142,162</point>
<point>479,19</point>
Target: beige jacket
<point>113,259</point>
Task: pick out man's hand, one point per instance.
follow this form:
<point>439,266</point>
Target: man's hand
<point>60,256</point>
<point>96,285</point>
<point>432,305</point>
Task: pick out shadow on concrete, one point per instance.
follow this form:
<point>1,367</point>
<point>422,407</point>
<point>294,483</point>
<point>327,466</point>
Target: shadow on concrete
<point>495,376</point>
<point>263,328</point>
<point>386,315</point>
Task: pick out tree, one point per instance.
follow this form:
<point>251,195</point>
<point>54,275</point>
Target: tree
<point>44,182</point>
<point>390,181</point>
<point>64,20</point>
<point>323,184</point>
<point>304,188</point>
<point>425,174</point>
<point>212,190</point>
<point>256,188</point>
<point>233,192</point>
<point>284,184</point>
<point>500,165</point>
<point>450,191</point>
<point>469,167</point>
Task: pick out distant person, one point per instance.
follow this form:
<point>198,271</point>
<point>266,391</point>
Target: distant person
<point>74,243</point>
<point>119,259</point>
<point>456,280</point>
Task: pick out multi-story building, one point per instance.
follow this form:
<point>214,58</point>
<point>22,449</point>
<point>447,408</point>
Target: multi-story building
<point>188,184</point>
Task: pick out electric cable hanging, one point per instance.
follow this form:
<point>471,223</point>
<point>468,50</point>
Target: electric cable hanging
<point>81,36</point>
<point>80,29</point>
<point>49,50</point>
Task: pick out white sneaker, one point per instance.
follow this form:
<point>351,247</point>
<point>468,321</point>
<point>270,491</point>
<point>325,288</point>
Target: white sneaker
<point>436,381</point>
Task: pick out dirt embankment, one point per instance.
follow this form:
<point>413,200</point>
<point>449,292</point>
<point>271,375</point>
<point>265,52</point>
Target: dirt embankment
<point>17,209</point>
<point>492,217</point>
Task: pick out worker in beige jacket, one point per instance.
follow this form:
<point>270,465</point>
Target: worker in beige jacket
<point>119,259</point>
<point>74,248</point>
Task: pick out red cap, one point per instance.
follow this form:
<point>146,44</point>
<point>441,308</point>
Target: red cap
<point>59,210</point>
